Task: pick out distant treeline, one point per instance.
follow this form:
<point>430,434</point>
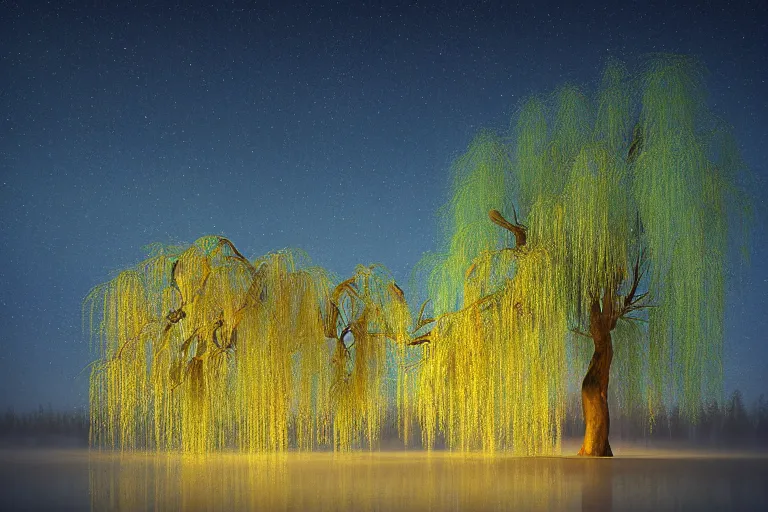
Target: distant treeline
<point>732,423</point>
<point>44,427</point>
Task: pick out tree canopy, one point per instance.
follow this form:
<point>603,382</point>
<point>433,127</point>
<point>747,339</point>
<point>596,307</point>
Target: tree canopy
<point>201,349</point>
<point>623,206</point>
<point>629,203</point>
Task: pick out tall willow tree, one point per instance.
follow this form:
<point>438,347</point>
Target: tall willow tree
<point>202,349</point>
<point>627,203</point>
<point>614,241</point>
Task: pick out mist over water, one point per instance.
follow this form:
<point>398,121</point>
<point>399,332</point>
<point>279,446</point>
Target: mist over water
<point>329,135</point>
<point>635,480</point>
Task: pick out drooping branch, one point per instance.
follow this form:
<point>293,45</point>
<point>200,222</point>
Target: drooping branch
<point>579,332</point>
<point>520,238</point>
<point>636,146</point>
<point>420,340</point>
<point>421,322</point>
<point>517,229</point>
<point>334,311</point>
<point>216,326</point>
<point>175,315</point>
<point>129,341</point>
<point>633,301</point>
<point>238,254</point>
<point>480,304</point>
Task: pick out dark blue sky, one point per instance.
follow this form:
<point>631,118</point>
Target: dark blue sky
<point>325,127</point>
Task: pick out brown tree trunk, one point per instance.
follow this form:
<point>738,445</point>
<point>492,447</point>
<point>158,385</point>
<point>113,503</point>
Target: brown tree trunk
<point>594,389</point>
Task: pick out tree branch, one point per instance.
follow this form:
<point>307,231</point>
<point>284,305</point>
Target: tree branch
<point>119,354</point>
<point>517,229</point>
<point>424,338</point>
<point>632,301</point>
<point>581,333</point>
<point>636,146</point>
<point>238,255</point>
<point>174,316</point>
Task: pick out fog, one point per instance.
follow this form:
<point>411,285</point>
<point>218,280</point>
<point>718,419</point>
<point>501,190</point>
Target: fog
<point>638,478</point>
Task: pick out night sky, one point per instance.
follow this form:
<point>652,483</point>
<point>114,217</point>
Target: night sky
<point>330,128</point>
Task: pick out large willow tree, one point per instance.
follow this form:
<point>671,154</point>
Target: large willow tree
<point>626,206</point>
<point>622,205</point>
<point>201,349</point>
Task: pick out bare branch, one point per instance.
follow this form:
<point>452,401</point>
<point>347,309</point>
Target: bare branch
<point>635,319</point>
<point>420,322</point>
<point>397,291</point>
<point>131,340</point>
<point>238,255</point>
<point>424,338</point>
<point>517,229</point>
<point>424,322</point>
<point>514,214</point>
<point>632,301</point>
<point>581,333</point>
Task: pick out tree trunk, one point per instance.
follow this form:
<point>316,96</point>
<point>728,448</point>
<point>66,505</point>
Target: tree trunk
<point>594,389</point>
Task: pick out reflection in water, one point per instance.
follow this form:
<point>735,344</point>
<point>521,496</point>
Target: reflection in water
<point>597,484</point>
<point>420,481</point>
<point>44,480</point>
<point>362,481</point>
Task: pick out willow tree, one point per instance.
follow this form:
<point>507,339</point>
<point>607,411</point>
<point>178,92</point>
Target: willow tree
<point>201,349</point>
<point>627,203</point>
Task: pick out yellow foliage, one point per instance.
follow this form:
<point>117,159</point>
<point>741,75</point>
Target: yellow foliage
<point>203,350</point>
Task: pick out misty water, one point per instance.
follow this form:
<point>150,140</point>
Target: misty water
<point>637,479</point>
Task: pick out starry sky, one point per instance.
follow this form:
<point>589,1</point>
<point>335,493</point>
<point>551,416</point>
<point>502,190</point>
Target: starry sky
<point>324,126</point>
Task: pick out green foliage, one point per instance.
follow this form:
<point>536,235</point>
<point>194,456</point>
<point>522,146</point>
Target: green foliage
<point>628,198</point>
<point>478,185</point>
<point>684,190</point>
<point>642,174</point>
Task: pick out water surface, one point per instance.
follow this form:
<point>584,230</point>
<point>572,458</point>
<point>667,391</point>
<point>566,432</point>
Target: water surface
<point>635,480</point>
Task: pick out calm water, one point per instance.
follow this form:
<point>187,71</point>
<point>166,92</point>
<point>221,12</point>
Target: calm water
<point>79,480</point>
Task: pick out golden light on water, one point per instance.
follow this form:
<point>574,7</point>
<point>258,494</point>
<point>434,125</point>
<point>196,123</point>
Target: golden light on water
<point>399,481</point>
<point>637,479</point>
<point>324,481</point>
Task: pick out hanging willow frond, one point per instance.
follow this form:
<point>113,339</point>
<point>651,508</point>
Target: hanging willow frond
<point>628,200</point>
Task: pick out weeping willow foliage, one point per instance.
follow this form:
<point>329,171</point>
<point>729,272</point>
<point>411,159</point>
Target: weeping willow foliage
<point>684,188</point>
<point>374,310</point>
<point>478,182</point>
<point>627,195</point>
<point>492,374</point>
<point>631,187</point>
<point>202,349</point>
